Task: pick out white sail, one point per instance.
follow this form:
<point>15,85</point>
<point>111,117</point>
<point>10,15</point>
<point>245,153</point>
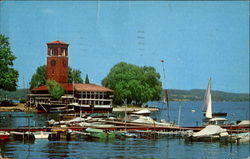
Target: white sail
<point>208,101</point>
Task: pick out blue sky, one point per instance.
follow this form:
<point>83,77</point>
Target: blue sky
<point>197,40</point>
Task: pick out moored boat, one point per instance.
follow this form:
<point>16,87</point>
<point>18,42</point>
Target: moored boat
<point>41,135</point>
<point>142,112</point>
<point>100,133</point>
<point>210,133</point>
<point>207,108</point>
<point>243,123</point>
<point>22,135</point>
<point>241,137</point>
<point>4,135</point>
<point>219,114</point>
<point>147,120</point>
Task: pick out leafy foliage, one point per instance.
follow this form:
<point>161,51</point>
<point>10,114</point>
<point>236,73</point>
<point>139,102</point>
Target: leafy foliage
<point>14,95</point>
<point>75,76</point>
<point>8,75</point>
<point>55,89</point>
<point>87,79</point>
<point>134,83</point>
<point>39,78</point>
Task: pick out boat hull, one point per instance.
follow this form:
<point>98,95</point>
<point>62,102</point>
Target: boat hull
<point>4,137</point>
<point>99,133</point>
<point>41,135</point>
<point>23,135</point>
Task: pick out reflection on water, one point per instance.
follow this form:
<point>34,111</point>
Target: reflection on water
<point>131,147</point>
<point>128,148</point>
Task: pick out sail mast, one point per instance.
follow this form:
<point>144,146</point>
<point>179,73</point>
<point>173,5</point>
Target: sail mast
<point>165,99</point>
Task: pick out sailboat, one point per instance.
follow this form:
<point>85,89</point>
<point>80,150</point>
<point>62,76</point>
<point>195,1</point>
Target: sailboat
<point>210,118</point>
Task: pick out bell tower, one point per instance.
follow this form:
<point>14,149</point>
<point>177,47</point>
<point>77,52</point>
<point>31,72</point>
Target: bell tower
<point>57,62</point>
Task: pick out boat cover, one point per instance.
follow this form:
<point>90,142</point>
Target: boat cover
<point>244,122</point>
<point>209,131</point>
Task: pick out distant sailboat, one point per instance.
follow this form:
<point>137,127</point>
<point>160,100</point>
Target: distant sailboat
<point>207,108</point>
<point>210,118</point>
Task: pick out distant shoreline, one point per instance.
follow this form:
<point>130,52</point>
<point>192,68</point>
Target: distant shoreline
<point>173,95</point>
<point>198,95</point>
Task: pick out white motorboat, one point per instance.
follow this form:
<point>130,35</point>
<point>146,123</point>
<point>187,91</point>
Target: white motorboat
<point>41,135</point>
<point>148,120</point>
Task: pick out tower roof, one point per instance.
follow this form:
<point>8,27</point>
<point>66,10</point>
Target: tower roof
<point>57,42</point>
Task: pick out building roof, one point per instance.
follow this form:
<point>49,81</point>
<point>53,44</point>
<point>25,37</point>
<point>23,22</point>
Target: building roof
<point>91,87</point>
<point>77,87</point>
<point>57,42</point>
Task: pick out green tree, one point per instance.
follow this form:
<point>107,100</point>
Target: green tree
<point>134,83</point>
<point>87,79</point>
<point>8,75</point>
<point>55,89</point>
<point>74,76</point>
<point>39,78</point>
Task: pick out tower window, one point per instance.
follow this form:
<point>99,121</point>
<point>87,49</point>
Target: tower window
<point>51,52</point>
<point>55,52</point>
<point>63,52</point>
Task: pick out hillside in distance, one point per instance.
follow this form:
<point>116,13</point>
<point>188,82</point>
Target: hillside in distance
<point>198,95</point>
<point>174,95</point>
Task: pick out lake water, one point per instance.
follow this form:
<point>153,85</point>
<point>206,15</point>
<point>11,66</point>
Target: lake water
<point>131,148</point>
